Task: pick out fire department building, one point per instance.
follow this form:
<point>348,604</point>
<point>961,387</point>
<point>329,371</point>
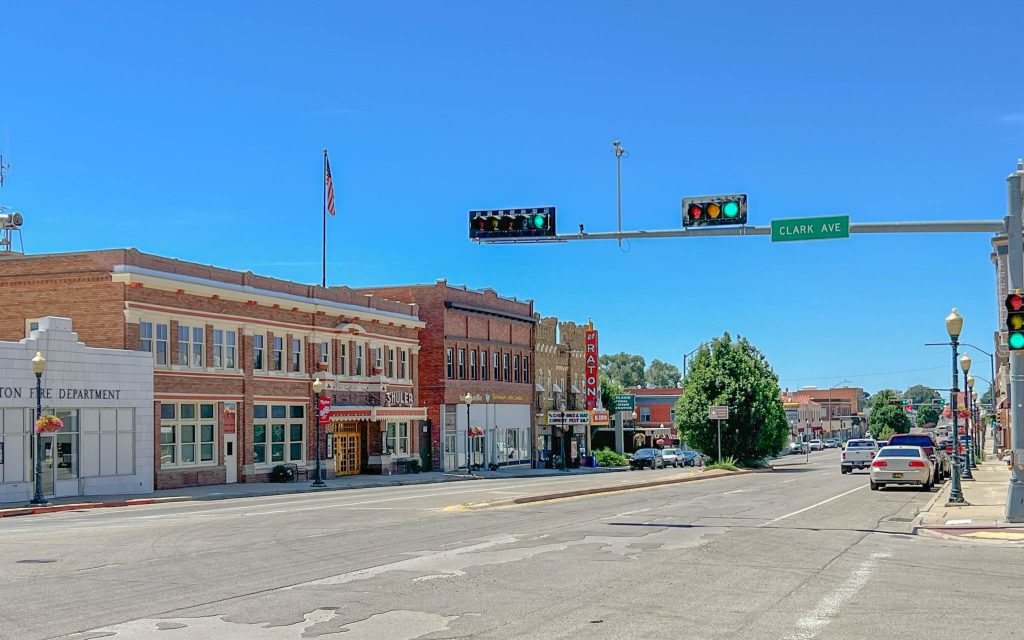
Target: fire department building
<point>234,357</point>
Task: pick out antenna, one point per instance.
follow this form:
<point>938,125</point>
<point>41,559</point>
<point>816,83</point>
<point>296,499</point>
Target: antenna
<point>4,166</point>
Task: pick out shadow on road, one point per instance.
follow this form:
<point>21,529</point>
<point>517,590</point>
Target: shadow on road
<point>747,526</point>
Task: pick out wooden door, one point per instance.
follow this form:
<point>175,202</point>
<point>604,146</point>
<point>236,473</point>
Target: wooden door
<point>346,454</point>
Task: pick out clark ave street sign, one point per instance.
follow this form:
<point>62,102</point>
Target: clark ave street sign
<point>810,228</point>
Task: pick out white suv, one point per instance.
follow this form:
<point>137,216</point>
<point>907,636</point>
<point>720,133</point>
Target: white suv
<point>817,445</point>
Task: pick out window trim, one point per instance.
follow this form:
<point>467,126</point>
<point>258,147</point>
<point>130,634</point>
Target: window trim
<point>497,366</point>
<point>177,424</point>
<point>462,364</point>
<point>277,353</point>
<point>484,364</point>
<point>394,440</point>
<point>359,360</point>
<point>403,364</point>
<point>526,369</point>
<point>472,364</point>
<point>506,360</point>
<point>267,442</point>
<point>516,375</point>
<point>259,345</point>
<point>449,360</point>
<point>194,347</point>
<point>295,362</point>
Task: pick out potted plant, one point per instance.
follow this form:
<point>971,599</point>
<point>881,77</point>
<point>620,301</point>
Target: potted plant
<point>48,424</point>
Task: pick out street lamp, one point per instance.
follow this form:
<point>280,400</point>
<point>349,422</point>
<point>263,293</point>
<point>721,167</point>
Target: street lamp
<point>318,386</point>
<point>972,404</point>
<point>38,367</point>
<point>965,365</point>
<point>468,399</point>
<point>954,324</point>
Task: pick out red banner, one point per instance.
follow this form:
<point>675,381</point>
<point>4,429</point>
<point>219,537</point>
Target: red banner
<point>324,410</point>
<point>592,388</point>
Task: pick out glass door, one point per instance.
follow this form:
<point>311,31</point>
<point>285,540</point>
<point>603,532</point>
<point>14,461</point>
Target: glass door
<point>46,447</point>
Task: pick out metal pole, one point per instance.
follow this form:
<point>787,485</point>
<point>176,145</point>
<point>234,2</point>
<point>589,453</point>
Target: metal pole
<point>38,499</point>
<point>469,465</point>
<point>618,182</point>
<point>319,482</point>
<point>719,421</point>
<point>956,495</point>
<point>564,436</point>
<point>1015,269</point>
<point>968,423</point>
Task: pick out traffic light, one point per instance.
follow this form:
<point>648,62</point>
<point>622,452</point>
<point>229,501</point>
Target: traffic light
<point>1015,321</point>
<point>510,224</point>
<point>705,211</point>
<point>908,406</point>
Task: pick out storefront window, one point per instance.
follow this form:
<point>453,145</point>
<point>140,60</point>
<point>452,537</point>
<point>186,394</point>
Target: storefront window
<point>282,440</point>
<point>187,435</point>
<point>397,438</point>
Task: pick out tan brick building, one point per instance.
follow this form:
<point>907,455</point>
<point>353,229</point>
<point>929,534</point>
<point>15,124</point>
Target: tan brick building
<point>560,349</point>
<point>234,358</point>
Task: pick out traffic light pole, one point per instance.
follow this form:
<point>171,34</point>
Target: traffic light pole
<point>1015,269</point>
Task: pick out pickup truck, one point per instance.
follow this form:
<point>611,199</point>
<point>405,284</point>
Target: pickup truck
<point>857,454</point>
<point>940,461</point>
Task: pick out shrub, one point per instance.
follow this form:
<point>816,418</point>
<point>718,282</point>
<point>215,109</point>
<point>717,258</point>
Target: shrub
<point>608,458</point>
<point>728,463</point>
<point>281,473</point>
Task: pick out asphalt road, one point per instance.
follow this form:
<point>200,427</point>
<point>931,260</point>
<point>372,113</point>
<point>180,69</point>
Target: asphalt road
<point>797,554</point>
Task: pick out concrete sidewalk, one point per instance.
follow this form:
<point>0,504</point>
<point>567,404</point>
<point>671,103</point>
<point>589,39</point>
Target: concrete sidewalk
<point>982,517</point>
<point>258,489</point>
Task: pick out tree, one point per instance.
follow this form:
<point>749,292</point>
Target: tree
<point>986,398</point>
<point>921,394</point>
<point>927,415</point>
<point>889,416</point>
<point>885,434</point>
<point>662,374</point>
<point>609,389</point>
<point>732,373</point>
<point>624,368</point>
<point>884,398</point>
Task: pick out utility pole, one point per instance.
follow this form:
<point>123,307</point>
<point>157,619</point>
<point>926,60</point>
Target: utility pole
<point>1015,268</point>
<point>619,152</point>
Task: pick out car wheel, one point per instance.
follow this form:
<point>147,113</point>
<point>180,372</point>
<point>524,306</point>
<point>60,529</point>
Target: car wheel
<point>874,486</point>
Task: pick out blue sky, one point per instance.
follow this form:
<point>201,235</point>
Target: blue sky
<point>195,130</point>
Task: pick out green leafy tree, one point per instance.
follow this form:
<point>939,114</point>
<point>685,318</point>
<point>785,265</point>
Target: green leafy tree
<point>732,373</point>
<point>885,434</point>
<point>927,415</point>
<point>921,394</point>
<point>889,416</point>
<point>662,374</point>
<point>884,398</point>
<point>609,389</point>
<point>624,368</point>
<point>986,398</point>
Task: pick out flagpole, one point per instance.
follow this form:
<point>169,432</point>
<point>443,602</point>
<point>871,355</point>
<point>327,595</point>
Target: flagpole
<point>323,280</point>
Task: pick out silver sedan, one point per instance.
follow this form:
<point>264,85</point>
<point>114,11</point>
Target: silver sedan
<point>901,465</point>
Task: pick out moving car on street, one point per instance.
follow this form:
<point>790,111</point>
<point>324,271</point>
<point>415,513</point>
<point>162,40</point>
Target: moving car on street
<point>799,448</point>
<point>817,445</point>
<point>940,461</point>
<point>857,454</point>
<point>901,464</point>
<point>672,457</point>
<point>832,443</point>
<point>646,458</point>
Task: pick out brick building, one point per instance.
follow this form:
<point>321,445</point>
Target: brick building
<point>234,356</point>
<point>839,411</point>
<point>655,417</point>
<point>481,344</point>
<point>560,353</point>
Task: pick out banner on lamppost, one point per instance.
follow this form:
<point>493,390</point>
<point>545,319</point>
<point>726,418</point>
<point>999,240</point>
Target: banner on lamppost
<point>591,365</point>
<point>324,410</point>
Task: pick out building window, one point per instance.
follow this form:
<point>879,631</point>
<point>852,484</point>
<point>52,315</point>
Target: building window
<point>325,355</point>
<point>472,364</point>
<point>296,355</point>
<point>344,359</point>
<point>483,365</point>
<point>278,433</point>
<point>505,367</point>
<point>391,362</point>
<point>257,352</point>
<point>378,360</point>
<point>187,435</point>
<point>497,367</point>
<point>403,364</point>
<point>191,346</point>
<point>462,364</point>
<point>526,368</point>
<point>31,325</point>
<point>397,439</point>
<point>515,368</point>
<point>277,354</point>
<point>645,414</point>
<point>449,357</point>
<point>359,359</point>
<point>224,344</point>
<point>155,344</point>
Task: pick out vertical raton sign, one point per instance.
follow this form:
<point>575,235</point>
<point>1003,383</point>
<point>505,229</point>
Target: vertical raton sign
<point>593,388</point>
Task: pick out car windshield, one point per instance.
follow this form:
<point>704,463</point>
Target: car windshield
<point>644,453</point>
<point>899,452</point>
<point>855,444</point>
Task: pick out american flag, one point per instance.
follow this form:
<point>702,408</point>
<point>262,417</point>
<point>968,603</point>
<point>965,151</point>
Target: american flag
<point>328,185</point>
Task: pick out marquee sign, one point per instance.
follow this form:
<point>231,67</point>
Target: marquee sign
<point>592,387</point>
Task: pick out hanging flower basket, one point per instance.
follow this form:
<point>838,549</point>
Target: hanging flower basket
<point>476,432</point>
<point>47,424</point>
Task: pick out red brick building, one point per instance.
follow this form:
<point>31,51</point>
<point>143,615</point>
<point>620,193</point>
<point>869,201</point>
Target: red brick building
<point>234,358</point>
<point>477,343</point>
<point>655,416</point>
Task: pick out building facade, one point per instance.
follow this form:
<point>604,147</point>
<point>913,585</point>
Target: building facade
<point>560,352</point>
<point>655,417</point>
<point>234,356</point>
<point>839,411</point>
<point>479,344</point>
<point>104,400</point>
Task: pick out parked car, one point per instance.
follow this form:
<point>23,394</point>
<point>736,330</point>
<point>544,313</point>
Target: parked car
<point>817,445</point>
<point>857,454</point>
<point>941,466</point>
<point>692,459</point>
<point>902,464</point>
<point>832,443</point>
<point>799,448</point>
<point>672,457</point>
<point>646,458</point>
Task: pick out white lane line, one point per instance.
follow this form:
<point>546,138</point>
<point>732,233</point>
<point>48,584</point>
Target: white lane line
<point>789,515</point>
<point>729,493</point>
<point>815,622</point>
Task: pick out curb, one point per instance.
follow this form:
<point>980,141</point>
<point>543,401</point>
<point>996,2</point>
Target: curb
<point>81,506</point>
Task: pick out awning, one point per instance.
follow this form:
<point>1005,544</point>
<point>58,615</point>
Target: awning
<point>556,388</point>
<point>656,431</point>
<point>575,389</point>
<point>352,414</point>
<point>538,388</point>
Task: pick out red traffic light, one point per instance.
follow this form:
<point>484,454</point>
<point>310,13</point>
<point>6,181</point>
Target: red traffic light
<point>702,211</point>
<point>1014,302</point>
<point>695,212</point>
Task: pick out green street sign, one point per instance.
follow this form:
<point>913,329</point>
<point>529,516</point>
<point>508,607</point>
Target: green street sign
<point>810,228</point>
<point>625,402</point>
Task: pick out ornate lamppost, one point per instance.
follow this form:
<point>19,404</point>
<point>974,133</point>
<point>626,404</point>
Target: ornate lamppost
<point>965,458</point>
<point>468,399</point>
<point>318,386</point>
<point>38,367</point>
<point>954,324</point>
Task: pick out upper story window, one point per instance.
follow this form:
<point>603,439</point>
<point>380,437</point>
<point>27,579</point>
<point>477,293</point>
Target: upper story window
<point>325,355</point>
<point>645,414</point>
<point>343,355</point>
<point>462,364</point>
<point>526,368</point>
<point>258,349</point>
<point>191,346</point>
<point>225,345</point>
<point>505,367</point>
<point>403,364</point>
<point>359,359</point>
<point>497,367</point>
<point>449,361</point>
<point>378,359</point>
<point>472,364</point>
<point>152,338</point>
<point>391,363</point>
<point>277,354</point>
<point>483,365</point>
<point>515,368</point>
<point>296,361</point>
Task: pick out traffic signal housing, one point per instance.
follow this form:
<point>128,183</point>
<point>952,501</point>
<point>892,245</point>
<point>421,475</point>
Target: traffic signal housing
<point>1015,321</point>
<point>704,211</point>
<point>495,225</point>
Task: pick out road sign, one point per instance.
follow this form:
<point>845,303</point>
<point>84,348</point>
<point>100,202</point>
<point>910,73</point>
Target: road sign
<point>810,228</point>
<point>599,417</point>
<point>625,402</point>
<point>718,413</point>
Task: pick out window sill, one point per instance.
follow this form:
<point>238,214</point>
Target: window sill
<point>189,467</point>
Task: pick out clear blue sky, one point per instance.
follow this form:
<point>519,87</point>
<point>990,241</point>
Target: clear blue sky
<point>195,130</point>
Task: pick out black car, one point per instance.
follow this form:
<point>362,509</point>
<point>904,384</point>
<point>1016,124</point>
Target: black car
<point>646,458</point>
<point>692,459</point>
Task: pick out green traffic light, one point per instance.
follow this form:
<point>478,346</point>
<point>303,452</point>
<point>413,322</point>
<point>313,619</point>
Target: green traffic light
<point>1016,340</point>
<point>538,221</point>
<point>731,209</point>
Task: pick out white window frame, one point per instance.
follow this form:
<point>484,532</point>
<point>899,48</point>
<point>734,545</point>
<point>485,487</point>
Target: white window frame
<point>194,354</point>
<point>378,359</point>
<point>28,326</point>
<point>644,410</point>
<point>462,364</point>
<point>259,345</point>
<point>277,354</point>
<point>397,438</point>
<point>295,360</point>
<point>343,355</point>
<point>449,362</point>
<point>200,444</point>
<point>391,363</point>
<point>496,358</point>
<point>289,421</point>
<point>526,369</point>
<point>403,364</point>
<point>516,373</point>
<point>484,365</point>
<point>224,349</point>
<point>155,341</point>
<point>472,364</point>
<point>325,354</point>
<point>359,359</point>
<point>506,361</point>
